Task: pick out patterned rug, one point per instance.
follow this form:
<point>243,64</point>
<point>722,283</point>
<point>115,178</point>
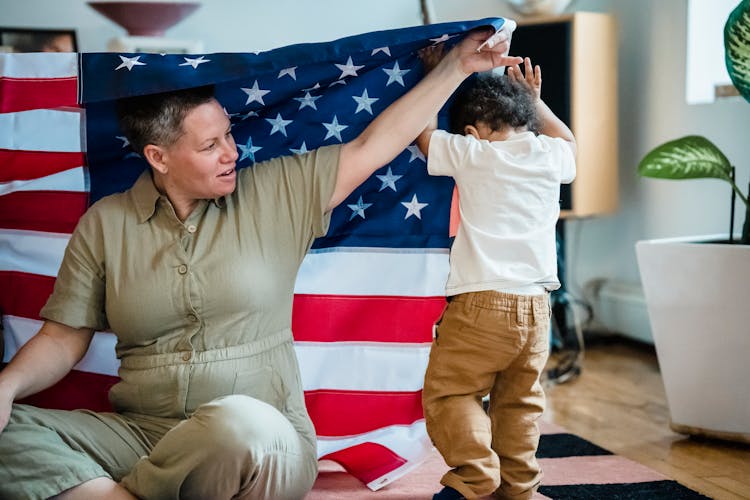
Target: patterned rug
<point>573,469</point>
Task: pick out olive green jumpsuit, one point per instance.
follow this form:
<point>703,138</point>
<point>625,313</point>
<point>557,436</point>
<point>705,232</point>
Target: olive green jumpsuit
<point>210,402</point>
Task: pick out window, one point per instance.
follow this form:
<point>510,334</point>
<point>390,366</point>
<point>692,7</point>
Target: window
<point>707,76</point>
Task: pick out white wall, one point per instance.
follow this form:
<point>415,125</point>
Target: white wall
<point>226,25</point>
<point>652,62</point>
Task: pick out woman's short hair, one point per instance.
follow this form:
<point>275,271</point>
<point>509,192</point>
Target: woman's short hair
<point>157,118</point>
<point>494,100</point>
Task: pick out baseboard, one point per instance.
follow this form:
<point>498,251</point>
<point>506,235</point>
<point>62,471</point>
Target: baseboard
<point>738,437</point>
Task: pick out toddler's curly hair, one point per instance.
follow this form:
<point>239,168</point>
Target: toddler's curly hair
<point>494,100</point>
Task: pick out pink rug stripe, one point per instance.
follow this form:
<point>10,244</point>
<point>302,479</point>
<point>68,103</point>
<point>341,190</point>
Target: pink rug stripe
<point>599,469</point>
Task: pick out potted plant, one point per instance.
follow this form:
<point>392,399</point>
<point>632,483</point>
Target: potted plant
<point>696,289</point>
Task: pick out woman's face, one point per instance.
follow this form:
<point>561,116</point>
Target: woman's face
<point>201,164</point>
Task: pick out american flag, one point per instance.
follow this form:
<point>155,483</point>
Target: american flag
<point>367,294</point>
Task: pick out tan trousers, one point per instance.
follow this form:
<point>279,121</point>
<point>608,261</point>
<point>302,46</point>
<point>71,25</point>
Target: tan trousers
<point>254,442</point>
<point>488,343</point>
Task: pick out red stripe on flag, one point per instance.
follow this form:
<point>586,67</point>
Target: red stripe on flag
<point>29,293</point>
<point>343,413</point>
<point>21,94</point>
<point>337,318</point>
<point>51,211</point>
<point>367,461</point>
<point>26,165</point>
<point>77,390</point>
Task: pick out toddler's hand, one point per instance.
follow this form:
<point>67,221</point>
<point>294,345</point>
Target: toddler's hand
<point>431,56</point>
<point>530,78</point>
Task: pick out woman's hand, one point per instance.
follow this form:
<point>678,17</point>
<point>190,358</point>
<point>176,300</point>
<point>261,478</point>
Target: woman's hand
<point>471,58</point>
<point>6,404</point>
<point>42,361</point>
<point>530,78</point>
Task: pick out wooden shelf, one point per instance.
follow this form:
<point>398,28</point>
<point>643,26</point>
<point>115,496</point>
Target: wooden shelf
<point>578,56</point>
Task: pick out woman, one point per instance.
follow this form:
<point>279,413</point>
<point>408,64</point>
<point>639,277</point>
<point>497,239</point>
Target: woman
<point>193,268</point>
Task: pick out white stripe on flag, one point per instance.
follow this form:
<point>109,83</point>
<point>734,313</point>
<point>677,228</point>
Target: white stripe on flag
<point>374,271</point>
<point>39,65</point>
<point>362,366</point>
<point>73,179</point>
<point>43,130</point>
<point>408,441</point>
<point>367,367</point>
<point>32,252</point>
<point>368,271</point>
<point>100,358</point>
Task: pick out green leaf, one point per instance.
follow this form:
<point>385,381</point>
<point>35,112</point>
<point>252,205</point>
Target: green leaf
<point>691,157</point>
<point>737,47</point>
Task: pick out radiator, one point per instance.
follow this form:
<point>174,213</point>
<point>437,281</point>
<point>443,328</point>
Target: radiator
<point>620,307</point>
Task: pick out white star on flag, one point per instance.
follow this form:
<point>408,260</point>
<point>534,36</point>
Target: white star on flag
<point>334,129</point>
<point>414,207</point>
<point>125,141</point>
<point>255,94</point>
<point>395,74</point>
<point>278,124</point>
<point>359,208</point>
<point>249,114</point>
<point>386,50</point>
<point>314,87</point>
<point>348,69</point>
<point>302,149</point>
<point>129,62</point>
<point>248,150</point>
<point>308,100</point>
<point>415,153</point>
<point>364,102</point>
<point>388,180</point>
<point>441,39</point>
<point>289,72</point>
<point>194,61</point>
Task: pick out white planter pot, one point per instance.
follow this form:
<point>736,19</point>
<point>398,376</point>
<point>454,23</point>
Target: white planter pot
<point>698,298</point>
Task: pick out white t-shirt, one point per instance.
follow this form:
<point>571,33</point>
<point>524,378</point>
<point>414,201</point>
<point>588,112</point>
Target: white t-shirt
<point>509,195</point>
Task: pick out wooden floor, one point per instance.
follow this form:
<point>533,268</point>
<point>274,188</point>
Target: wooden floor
<point>618,403</point>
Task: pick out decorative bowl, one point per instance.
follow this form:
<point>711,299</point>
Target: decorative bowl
<point>145,18</point>
<point>539,7</point>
